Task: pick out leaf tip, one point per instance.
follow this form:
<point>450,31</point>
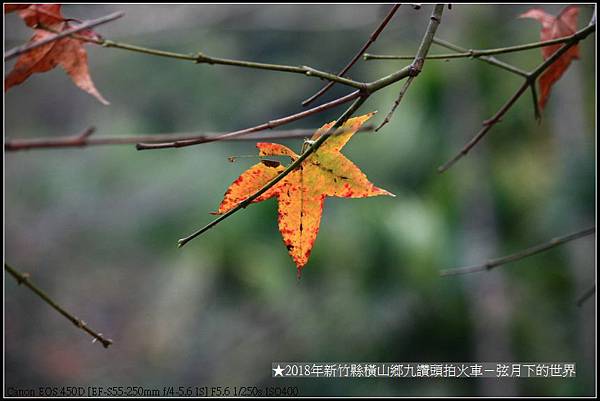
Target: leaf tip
<point>381,191</point>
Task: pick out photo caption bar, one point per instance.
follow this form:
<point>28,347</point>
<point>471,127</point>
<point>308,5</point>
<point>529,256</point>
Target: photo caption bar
<point>414,370</point>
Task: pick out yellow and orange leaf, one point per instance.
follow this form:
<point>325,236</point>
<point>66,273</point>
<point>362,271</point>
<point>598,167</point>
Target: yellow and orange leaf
<point>565,24</point>
<point>301,194</point>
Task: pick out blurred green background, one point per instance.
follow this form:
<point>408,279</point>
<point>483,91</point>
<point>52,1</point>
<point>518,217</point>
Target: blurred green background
<point>97,227</point>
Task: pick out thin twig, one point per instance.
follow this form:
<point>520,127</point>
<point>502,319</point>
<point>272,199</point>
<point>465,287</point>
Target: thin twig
<point>371,40</point>
<point>396,103</point>
<point>16,51</point>
<point>536,107</point>
<point>261,127</point>
<point>23,278</point>
<point>529,80</point>
<point>201,58</point>
<point>586,295</point>
<point>82,141</point>
<point>488,59</point>
<point>487,125</point>
<point>416,66</point>
<point>490,264</point>
<point>304,70</point>
<point>473,53</point>
<point>425,44</point>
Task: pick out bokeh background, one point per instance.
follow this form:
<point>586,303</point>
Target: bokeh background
<point>97,227</point>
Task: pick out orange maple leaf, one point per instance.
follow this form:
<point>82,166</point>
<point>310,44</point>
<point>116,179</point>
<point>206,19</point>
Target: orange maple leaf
<point>326,172</point>
<point>565,24</point>
<point>68,52</point>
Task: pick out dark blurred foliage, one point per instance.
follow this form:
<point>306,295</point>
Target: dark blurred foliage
<point>97,227</point>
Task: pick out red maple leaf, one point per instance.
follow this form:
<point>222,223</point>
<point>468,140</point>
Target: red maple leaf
<point>37,14</point>
<point>67,52</point>
<point>564,24</point>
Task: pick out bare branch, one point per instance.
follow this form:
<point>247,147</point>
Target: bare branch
<point>530,79</point>
<point>261,127</point>
<point>488,59</point>
<point>201,58</point>
<point>23,278</point>
<point>370,41</point>
<point>490,264</point>
<point>83,140</point>
<point>396,103</point>
<point>462,53</point>
<point>487,125</point>
<point>418,62</point>
<point>16,51</point>
<point>473,53</point>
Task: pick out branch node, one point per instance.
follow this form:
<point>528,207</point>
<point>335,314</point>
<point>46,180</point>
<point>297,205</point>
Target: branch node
<point>416,67</point>
<point>23,277</point>
<point>202,58</point>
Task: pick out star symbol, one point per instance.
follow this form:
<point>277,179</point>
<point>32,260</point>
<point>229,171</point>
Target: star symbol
<point>278,371</point>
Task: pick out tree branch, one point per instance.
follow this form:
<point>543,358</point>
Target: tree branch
<point>23,278</point>
<point>201,58</point>
<point>473,53</point>
<point>371,40</point>
<point>16,51</point>
<point>490,264</point>
<point>529,80</point>
<point>261,127</point>
<point>83,141</point>
<point>425,44</point>
<point>396,103</point>
<point>487,125</point>
<point>419,60</point>
<point>488,59</point>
